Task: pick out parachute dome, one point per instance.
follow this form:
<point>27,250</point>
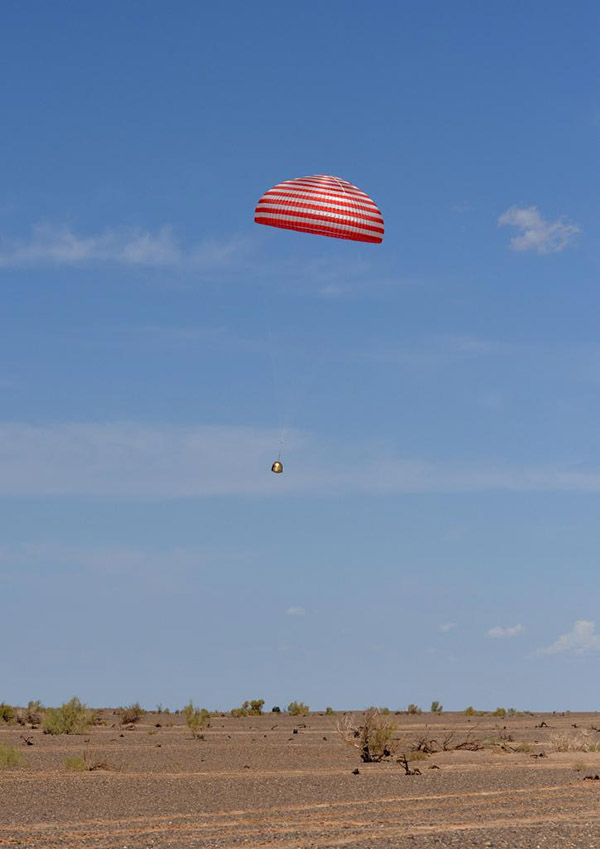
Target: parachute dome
<point>323,205</point>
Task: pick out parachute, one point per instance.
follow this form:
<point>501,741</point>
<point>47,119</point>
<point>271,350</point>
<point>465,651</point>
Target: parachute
<point>324,206</point>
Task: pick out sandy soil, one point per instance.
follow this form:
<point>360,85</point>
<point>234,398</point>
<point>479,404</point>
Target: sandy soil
<point>254,782</point>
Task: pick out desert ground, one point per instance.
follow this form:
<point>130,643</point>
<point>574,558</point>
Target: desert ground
<point>286,782</point>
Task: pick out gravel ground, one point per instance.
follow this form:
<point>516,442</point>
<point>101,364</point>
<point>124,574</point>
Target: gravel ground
<point>253,782</point>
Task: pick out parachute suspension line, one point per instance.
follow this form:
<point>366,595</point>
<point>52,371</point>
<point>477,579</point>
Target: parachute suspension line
<point>277,466</point>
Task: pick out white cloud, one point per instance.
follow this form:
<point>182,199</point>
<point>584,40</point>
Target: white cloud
<point>130,460</point>
<point>446,627</point>
<point>500,633</point>
<point>579,640</point>
<point>295,611</point>
<point>537,234</point>
<point>51,245</point>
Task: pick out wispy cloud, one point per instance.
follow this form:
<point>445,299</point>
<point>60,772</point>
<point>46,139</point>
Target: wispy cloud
<point>60,246</point>
<point>447,626</point>
<point>131,460</point>
<point>581,639</point>
<point>500,633</point>
<point>295,611</point>
<point>536,233</point>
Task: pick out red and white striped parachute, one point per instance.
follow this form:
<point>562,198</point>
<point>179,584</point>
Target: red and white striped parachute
<point>323,205</point>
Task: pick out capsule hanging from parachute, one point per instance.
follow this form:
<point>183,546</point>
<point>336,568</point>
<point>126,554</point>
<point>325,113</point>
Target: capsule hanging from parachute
<point>324,206</point>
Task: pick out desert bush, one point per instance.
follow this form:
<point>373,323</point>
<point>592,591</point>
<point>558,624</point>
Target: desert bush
<point>131,714</point>
<point>413,709</point>
<point>329,711</point>
<point>7,713</point>
<point>9,756</point>
<point>470,711</point>
<point>196,719</point>
<point>374,736</point>
<point>249,708</point>
<point>34,713</point>
<point>298,709</point>
<point>500,711</point>
<point>73,717</point>
<point>436,707</point>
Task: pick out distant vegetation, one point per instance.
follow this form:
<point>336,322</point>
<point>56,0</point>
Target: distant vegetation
<point>73,717</point>
<point>414,709</point>
<point>436,707</point>
<point>249,708</point>
<point>298,709</point>
<point>34,713</point>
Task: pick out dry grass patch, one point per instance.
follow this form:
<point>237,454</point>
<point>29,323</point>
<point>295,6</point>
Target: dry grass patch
<point>9,756</point>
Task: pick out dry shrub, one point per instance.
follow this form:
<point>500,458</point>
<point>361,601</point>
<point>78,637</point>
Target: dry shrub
<point>86,763</point>
<point>569,741</point>
<point>34,713</point>
<point>373,734</point>
<point>449,742</point>
<point>131,714</point>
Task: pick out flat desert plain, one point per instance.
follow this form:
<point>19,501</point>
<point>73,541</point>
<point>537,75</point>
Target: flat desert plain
<point>287,782</point>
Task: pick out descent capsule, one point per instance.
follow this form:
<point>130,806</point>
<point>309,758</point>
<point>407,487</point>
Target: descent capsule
<point>277,467</point>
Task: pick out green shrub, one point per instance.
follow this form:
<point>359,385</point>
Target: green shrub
<point>298,709</point>
<point>470,711</point>
<point>131,714</point>
<point>500,711</point>
<point>7,713</point>
<point>9,756</point>
<point>196,719</point>
<point>72,717</point>
<point>329,711</point>
<point>414,709</point>
<point>436,707</point>
<point>249,708</point>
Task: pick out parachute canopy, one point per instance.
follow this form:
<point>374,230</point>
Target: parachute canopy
<point>323,205</point>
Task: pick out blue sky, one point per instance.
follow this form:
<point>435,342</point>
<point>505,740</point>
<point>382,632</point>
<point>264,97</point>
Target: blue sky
<point>435,534</point>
